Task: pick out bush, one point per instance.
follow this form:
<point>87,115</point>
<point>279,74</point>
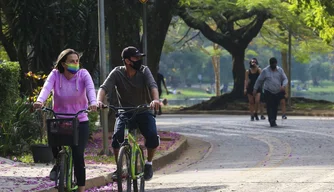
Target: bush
<point>9,88</point>
<point>20,130</point>
<point>93,118</point>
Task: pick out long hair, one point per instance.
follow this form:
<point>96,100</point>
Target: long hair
<point>250,61</point>
<point>62,58</point>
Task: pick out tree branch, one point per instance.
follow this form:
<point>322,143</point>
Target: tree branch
<point>206,30</point>
<point>197,34</point>
<point>183,36</point>
<point>255,27</point>
<point>223,24</point>
<point>244,15</point>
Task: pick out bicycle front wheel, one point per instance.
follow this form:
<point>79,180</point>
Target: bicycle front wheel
<point>139,170</point>
<point>124,170</point>
<point>62,172</point>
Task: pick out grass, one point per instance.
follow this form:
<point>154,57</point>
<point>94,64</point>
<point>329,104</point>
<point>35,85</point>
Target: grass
<point>313,106</point>
<point>188,93</point>
<point>326,86</point>
<point>26,158</point>
<point>100,159</point>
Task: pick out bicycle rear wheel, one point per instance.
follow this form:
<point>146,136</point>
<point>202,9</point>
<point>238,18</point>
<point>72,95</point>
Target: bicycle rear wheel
<point>62,173</point>
<point>124,170</point>
<point>139,182</point>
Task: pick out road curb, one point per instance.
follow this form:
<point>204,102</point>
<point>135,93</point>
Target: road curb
<point>239,112</point>
<point>176,150</point>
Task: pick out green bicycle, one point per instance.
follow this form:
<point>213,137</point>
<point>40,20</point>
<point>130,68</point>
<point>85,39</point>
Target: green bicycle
<point>63,133</point>
<point>130,161</point>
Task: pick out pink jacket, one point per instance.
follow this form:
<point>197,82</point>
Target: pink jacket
<point>69,96</point>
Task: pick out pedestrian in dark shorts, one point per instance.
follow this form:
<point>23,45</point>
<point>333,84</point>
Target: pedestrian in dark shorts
<point>250,78</point>
<point>261,105</point>
<point>274,80</point>
<point>161,80</point>
<point>283,105</point>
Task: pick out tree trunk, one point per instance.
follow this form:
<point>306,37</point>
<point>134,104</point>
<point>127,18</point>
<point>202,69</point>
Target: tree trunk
<point>123,27</point>
<point>216,68</point>
<point>238,71</point>
<point>159,18</point>
<point>123,30</point>
<point>284,55</point>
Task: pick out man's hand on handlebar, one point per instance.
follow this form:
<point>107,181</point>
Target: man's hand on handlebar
<point>100,105</point>
<point>155,104</point>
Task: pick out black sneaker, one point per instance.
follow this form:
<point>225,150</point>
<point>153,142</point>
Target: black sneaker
<point>252,118</point>
<point>256,117</point>
<point>284,116</point>
<point>273,124</point>
<point>114,175</point>
<point>263,117</point>
<point>148,172</point>
<point>54,173</point>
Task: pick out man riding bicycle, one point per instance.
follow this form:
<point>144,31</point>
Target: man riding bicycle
<point>134,86</point>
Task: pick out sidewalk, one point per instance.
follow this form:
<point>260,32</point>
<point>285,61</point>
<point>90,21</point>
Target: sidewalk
<point>319,113</point>
<point>20,177</point>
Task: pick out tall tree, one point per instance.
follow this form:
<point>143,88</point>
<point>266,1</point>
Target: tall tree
<point>236,27</point>
<point>124,22</point>
<point>125,28</point>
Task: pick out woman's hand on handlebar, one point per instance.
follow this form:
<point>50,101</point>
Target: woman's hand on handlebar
<point>38,105</point>
<point>155,104</point>
<point>92,107</point>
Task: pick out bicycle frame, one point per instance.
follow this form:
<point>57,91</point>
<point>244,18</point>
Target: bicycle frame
<point>134,148</point>
<point>66,150</point>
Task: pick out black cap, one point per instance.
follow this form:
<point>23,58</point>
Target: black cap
<point>131,52</point>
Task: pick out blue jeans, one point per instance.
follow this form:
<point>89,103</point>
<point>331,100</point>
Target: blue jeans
<point>145,122</point>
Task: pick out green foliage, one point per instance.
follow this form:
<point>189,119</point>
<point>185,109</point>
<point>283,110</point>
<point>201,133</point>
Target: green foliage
<point>26,158</point>
<point>9,86</point>
<point>93,118</point>
<point>20,129</point>
<point>318,15</point>
<point>49,26</point>
<point>3,54</point>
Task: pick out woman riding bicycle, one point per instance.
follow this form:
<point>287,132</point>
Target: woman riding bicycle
<point>72,88</point>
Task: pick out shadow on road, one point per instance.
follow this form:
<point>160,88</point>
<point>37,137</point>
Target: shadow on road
<point>188,189</point>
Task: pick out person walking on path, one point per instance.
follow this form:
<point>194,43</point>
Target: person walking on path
<point>161,80</point>
<point>275,81</point>
<point>250,77</point>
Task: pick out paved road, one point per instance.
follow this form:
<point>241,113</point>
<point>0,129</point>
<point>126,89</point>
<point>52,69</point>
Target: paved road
<point>246,156</point>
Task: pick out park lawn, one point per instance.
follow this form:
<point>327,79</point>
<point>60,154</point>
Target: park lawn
<point>313,106</point>
<point>326,86</point>
<point>186,93</point>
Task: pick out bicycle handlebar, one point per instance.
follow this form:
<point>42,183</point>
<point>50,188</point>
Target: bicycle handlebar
<point>65,114</point>
<point>114,108</point>
<point>135,110</point>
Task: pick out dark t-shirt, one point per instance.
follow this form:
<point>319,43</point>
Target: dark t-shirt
<point>132,91</point>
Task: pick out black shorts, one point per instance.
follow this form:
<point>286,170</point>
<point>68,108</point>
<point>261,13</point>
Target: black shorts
<point>250,91</point>
<point>281,95</point>
<point>262,99</point>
